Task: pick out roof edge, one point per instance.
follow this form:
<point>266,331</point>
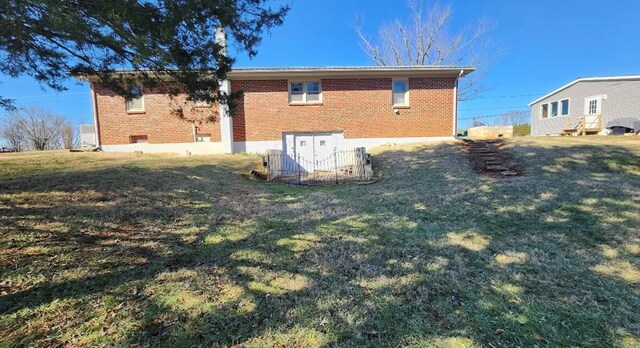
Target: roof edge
<point>245,73</point>
<point>344,72</point>
<point>582,79</point>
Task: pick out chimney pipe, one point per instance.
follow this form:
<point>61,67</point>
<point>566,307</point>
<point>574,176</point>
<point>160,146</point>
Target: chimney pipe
<point>221,39</point>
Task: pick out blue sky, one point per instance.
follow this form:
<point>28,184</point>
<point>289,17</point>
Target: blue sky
<point>545,44</point>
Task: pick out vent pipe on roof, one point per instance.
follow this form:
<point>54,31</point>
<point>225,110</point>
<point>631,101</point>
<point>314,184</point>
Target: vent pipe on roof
<point>221,39</point>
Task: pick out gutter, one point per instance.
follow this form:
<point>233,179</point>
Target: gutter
<point>455,102</point>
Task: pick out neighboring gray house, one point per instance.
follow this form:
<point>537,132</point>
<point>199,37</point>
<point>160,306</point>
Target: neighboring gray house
<point>585,105</point>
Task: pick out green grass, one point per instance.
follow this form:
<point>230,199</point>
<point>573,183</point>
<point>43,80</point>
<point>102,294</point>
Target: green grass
<point>113,249</point>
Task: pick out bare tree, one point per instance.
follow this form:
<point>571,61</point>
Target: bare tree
<point>475,122</point>
<point>428,39</point>
<point>12,134</point>
<point>38,128</point>
<point>70,136</point>
<point>518,119</point>
<point>512,118</point>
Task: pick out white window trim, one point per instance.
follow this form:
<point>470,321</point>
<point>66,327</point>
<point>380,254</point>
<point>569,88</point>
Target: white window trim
<point>406,93</point>
<point>202,103</point>
<point>598,99</point>
<point>141,98</point>
<point>304,92</point>
<point>551,109</point>
<point>560,114</point>
<point>548,111</point>
<point>568,109</point>
<point>202,136</point>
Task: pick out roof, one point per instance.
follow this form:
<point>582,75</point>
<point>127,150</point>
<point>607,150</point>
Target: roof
<point>581,79</point>
<point>336,72</point>
<point>349,71</point>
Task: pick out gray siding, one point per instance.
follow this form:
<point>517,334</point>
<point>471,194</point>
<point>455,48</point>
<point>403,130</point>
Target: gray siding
<point>623,100</point>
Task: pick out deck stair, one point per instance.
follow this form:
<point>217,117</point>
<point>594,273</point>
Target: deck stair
<point>588,124</point>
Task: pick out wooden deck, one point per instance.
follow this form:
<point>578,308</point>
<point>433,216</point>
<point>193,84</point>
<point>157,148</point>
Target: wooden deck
<point>588,125</point>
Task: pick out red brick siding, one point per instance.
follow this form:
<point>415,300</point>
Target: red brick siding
<point>361,107</point>
<point>116,126</point>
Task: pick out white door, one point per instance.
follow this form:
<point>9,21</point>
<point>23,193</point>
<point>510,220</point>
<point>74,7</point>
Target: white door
<point>592,110</point>
<point>304,151</point>
<point>324,146</point>
<point>313,151</point>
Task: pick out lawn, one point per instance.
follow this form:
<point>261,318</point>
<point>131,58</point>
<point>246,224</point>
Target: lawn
<point>102,249</point>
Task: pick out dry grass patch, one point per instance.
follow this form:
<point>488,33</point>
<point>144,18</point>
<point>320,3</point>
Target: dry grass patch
<point>102,249</point>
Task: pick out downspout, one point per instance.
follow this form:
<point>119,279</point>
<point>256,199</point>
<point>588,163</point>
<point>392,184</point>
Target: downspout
<point>455,103</point>
<point>94,110</point>
<point>226,122</point>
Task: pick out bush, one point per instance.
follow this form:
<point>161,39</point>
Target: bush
<point>521,129</point>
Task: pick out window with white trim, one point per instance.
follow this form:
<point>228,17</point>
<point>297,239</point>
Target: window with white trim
<point>544,110</point>
<point>554,109</point>
<point>400,93</point>
<point>202,102</point>
<point>305,92</point>
<point>136,104</point>
<point>564,107</point>
<point>203,138</point>
<point>593,106</point>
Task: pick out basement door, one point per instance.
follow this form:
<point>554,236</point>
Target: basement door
<point>313,151</point>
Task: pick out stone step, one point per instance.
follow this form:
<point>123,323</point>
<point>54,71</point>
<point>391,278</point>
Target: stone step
<point>509,173</point>
<point>493,163</point>
<point>497,168</point>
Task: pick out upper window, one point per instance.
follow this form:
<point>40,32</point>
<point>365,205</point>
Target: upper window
<point>544,111</point>
<point>305,92</point>
<point>400,93</point>
<point>564,107</point>
<point>202,102</point>
<point>137,102</point>
<point>554,109</point>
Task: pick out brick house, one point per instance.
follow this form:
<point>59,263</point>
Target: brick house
<point>285,108</point>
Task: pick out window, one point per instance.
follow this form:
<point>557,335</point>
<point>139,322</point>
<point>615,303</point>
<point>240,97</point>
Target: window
<point>305,92</point>
<point>544,111</point>
<point>303,143</point>
<point>203,138</point>
<point>554,109</point>
<point>313,91</point>
<point>323,142</point>
<point>593,107</point>
<point>138,139</point>
<point>564,107</point>
<point>136,104</point>
<point>400,93</point>
<point>202,102</point>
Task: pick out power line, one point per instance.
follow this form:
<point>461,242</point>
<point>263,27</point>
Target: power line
<point>497,108</point>
<point>482,116</point>
<point>62,95</point>
<point>509,96</point>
